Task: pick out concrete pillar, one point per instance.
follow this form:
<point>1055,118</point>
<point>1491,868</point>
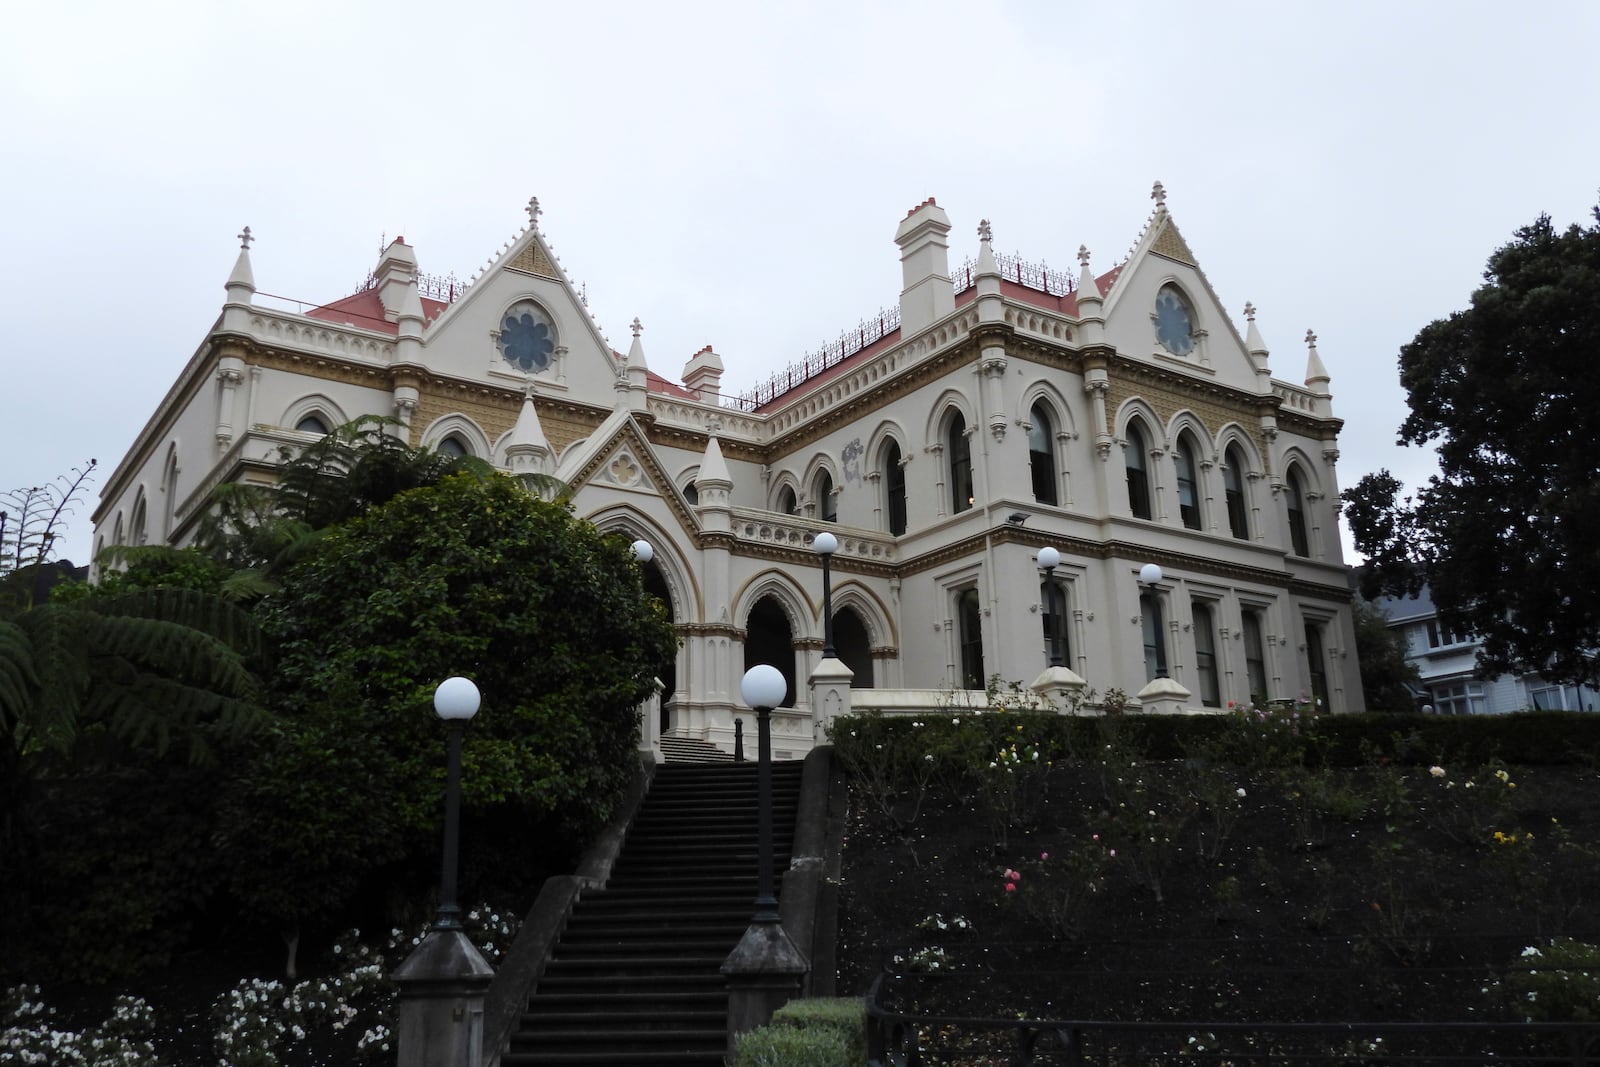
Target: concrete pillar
<point>764,971</point>
<point>442,986</point>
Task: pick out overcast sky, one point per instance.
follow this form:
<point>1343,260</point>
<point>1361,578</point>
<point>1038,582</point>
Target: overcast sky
<point>733,174</point>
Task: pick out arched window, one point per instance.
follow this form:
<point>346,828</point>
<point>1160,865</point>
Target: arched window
<point>959,449</point>
<point>452,446</point>
<point>691,492</point>
<point>827,502</point>
<point>138,526</point>
<point>1205,655</point>
<point>1136,454</point>
<point>1155,637</point>
<point>970,619</point>
<point>1233,490</point>
<point>770,639</point>
<point>1042,454</point>
<point>312,424</point>
<point>786,504</point>
<point>1188,483</point>
<point>894,478</point>
<point>1295,499</point>
<point>1316,667</point>
<point>854,646</point>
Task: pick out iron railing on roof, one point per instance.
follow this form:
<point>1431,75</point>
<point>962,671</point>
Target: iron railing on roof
<point>869,332</point>
<point>443,287</point>
<point>895,1039</point>
<point>1036,276</point>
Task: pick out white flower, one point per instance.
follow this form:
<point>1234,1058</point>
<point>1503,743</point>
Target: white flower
<point>1437,772</point>
<point>1239,791</point>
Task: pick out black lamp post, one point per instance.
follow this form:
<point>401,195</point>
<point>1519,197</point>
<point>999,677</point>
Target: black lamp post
<point>1150,578</point>
<point>825,545</point>
<point>763,688</point>
<point>456,700</point>
<point>1049,558</point>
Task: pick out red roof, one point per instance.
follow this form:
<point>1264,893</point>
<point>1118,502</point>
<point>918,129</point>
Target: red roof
<point>365,310</point>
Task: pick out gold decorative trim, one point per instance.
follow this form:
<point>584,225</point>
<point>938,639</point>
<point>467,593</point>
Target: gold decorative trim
<point>532,260</point>
<point>1170,243</point>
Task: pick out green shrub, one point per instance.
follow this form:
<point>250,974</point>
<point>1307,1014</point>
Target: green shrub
<point>845,1016</point>
<point>786,1046</point>
<point>1558,983</point>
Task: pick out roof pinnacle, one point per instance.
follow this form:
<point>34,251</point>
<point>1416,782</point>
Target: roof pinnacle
<point>985,234</point>
<point>1083,255</point>
<point>1249,311</point>
<point>1158,193</point>
<point>637,326</point>
<point>533,211</point>
<point>245,238</point>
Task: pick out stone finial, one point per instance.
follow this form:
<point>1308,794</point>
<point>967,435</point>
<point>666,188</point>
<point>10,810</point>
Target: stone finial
<point>1311,340</point>
<point>1158,193</point>
<point>245,238</point>
<point>1083,255</point>
<point>637,326</point>
<point>533,211</point>
<point>984,232</point>
<point>1249,311</point>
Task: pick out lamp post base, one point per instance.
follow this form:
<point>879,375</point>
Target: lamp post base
<point>442,985</point>
<point>764,971</point>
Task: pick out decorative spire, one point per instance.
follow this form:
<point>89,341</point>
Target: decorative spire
<point>637,326</point>
<point>533,212</point>
<point>986,261</point>
<point>1252,339</point>
<point>1088,288</point>
<point>985,234</point>
<point>1158,193</point>
<point>241,284</point>
<point>1316,374</point>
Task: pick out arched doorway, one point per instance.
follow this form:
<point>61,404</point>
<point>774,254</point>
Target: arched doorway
<point>854,646</point>
<point>770,639</point>
<point>655,584</point>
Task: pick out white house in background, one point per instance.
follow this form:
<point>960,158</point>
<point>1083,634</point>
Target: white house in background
<point>1120,416</point>
<point>1447,661</point>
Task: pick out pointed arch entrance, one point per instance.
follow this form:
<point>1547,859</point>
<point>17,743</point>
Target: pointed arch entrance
<point>853,643</point>
<point>655,584</point>
<point>769,638</point>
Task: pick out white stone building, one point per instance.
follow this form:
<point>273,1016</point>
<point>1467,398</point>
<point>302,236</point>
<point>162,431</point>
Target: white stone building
<point>1120,417</point>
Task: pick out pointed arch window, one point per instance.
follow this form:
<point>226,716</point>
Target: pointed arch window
<point>452,446</point>
<point>1233,491</point>
<point>827,502</point>
<point>894,477</point>
<point>959,449</point>
<point>1188,483</point>
<point>312,424</point>
<point>1042,454</point>
<point>1295,499</point>
<point>786,502</point>
<point>691,493</point>
<point>1137,455</point>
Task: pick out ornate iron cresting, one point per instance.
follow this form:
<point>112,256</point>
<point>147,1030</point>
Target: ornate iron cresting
<point>895,1039</point>
<point>1036,276</point>
<point>869,332</point>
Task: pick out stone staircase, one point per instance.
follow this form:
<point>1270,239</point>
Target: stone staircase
<point>635,977</point>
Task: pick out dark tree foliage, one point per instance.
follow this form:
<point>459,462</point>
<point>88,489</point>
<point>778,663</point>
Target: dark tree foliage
<point>473,576</point>
<point>1389,680</point>
<point>1506,534</point>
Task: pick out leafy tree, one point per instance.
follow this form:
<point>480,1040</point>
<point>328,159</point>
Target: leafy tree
<point>1389,680</point>
<point>1504,534</point>
<point>31,521</point>
<point>472,576</point>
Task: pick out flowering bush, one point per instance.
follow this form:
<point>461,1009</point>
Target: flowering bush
<point>1558,983</point>
<point>1466,809</point>
<point>28,1035</point>
<point>1059,886</point>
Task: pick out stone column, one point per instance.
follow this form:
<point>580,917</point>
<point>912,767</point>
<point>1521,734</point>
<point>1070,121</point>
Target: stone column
<point>442,986</point>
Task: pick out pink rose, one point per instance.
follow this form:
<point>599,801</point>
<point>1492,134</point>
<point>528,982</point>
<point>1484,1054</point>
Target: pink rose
<point>1044,855</point>
<point>1013,876</point>
<point>1011,887</point>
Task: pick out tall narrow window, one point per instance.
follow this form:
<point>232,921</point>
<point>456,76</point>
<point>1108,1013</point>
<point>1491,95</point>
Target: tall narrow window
<point>1155,639</point>
<point>827,503</point>
<point>894,477</point>
<point>960,451</point>
<point>970,621</point>
<point>1255,657</point>
<point>1136,455</point>
<point>1315,665</point>
<point>1042,454</point>
<point>1233,489</point>
<point>1053,601</point>
<point>1188,484</point>
<point>1295,497</point>
<point>1205,655</point>
<point>786,503</point>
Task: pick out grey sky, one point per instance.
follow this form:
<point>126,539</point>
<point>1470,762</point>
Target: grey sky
<point>733,174</point>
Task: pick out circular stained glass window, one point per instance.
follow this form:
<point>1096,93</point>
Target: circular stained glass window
<point>527,338</point>
<point>1174,322</point>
